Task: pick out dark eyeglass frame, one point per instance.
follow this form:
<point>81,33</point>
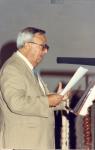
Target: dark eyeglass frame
<point>44,46</point>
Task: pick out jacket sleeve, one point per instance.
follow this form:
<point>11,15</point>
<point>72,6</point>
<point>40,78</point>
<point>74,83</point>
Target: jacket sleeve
<point>61,106</point>
<point>16,96</point>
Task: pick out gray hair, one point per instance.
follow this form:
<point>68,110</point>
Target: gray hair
<point>26,35</point>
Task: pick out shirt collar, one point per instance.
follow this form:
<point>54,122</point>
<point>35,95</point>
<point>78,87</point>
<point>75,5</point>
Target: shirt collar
<point>25,60</point>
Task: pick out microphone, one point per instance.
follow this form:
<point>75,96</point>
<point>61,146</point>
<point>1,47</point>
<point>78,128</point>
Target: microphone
<point>76,60</point>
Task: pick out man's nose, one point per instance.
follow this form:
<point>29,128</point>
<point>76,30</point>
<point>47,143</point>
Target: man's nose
<point>45,50</point>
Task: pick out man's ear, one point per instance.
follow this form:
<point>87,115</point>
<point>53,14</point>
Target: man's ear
<point>27,45</point>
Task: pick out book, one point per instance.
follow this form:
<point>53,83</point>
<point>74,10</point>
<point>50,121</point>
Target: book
<point>86,100</point>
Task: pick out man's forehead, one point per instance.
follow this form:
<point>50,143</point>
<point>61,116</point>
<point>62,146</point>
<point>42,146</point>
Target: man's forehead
<point>39,36</point>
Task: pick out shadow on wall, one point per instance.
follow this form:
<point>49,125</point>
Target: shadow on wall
<point>6,51</point>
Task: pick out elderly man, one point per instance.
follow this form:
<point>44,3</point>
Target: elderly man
<point>27,105</point>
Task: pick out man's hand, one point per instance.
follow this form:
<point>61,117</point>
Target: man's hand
<point>68,95</point>
<point>59,89</point>
<point>54,99</point>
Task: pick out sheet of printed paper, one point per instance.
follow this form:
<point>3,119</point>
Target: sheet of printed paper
<point>80,72</point>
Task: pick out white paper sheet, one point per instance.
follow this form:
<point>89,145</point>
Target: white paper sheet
<point>88,102</point>
<point>81,71</point>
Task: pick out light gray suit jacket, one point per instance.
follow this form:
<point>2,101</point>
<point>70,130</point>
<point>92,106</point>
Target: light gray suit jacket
<point>27,119</point>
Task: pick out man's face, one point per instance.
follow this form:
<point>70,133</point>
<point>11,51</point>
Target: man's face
<point>38,48</point>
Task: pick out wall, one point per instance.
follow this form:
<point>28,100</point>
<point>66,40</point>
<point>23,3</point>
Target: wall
<point>70,26</point>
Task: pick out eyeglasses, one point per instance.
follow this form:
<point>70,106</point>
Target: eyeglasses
<point>44,46</point>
